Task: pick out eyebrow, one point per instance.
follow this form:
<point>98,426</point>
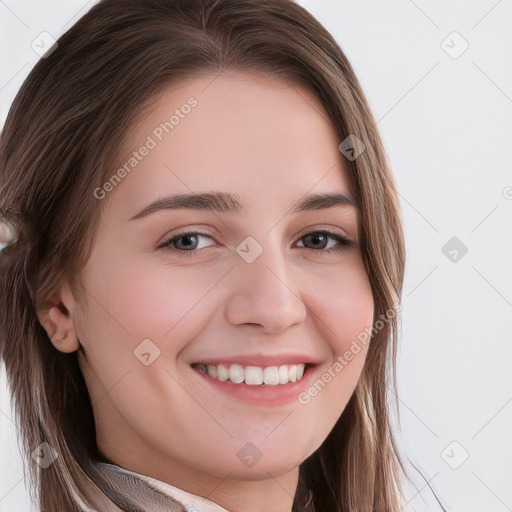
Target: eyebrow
<point>223,202</point>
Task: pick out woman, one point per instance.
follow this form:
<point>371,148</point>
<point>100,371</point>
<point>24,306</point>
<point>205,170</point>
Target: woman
<point>246,368</point>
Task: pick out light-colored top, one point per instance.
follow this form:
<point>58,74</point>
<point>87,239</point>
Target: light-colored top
<point>128,490</point>
<point>133,491</point>
<point>189,501</point>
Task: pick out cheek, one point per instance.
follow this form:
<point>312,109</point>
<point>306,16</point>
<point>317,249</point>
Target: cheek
<point>345,302</point>
<point>149,300</point>
<point>166,305</point>
<point>344,308</point>
<point>163,304</point>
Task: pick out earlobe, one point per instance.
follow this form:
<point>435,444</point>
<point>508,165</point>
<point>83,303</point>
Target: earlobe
<point>59,325</point>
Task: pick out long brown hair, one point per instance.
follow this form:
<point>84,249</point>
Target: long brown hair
<point>63,138</point>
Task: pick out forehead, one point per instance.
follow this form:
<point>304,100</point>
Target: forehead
<point>262,138</point>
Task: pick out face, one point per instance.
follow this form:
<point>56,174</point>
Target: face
<point>257,277</point>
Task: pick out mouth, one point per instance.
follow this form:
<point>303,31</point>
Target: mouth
<point>254,375</point>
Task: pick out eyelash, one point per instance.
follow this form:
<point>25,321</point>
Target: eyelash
<point>344,242</point>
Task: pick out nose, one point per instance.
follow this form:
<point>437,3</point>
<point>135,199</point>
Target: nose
<point>265,293</point>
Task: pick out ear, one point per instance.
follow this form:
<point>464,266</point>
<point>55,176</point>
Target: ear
<point>58,322</point>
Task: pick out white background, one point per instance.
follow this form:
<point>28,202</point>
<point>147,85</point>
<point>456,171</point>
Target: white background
<point>447,126</point>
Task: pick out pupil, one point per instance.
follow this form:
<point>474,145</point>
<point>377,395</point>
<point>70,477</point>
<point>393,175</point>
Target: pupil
<point>317,239</point>
<point>189,240</point>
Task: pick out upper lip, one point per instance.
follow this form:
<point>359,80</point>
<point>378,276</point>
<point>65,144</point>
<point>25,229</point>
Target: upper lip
<point>261,360</point>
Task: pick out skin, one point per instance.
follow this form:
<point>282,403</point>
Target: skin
<point>271,143</point>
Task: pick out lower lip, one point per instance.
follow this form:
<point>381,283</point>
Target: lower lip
<point>265,395</point>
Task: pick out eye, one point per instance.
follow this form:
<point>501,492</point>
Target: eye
<point>322,237</point>
<point>186,243</point>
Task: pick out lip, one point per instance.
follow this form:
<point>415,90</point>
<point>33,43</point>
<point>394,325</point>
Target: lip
<point>261,360</point>
<point>266,396</point>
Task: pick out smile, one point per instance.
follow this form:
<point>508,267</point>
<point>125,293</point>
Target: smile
<point>255,375</point>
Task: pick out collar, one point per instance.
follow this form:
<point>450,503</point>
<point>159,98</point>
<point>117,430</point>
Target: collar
<point>134,492</point>
<point>152,493</point>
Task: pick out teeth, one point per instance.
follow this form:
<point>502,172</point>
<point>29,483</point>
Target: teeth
<point>255,375</point>
<point>283,374</point>
<point>236,373</point>
<point>212,372</point>
<point>271,375</point>
<point>222,372</point>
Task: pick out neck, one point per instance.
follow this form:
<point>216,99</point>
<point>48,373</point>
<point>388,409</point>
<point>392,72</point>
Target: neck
<point>272,494</point>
